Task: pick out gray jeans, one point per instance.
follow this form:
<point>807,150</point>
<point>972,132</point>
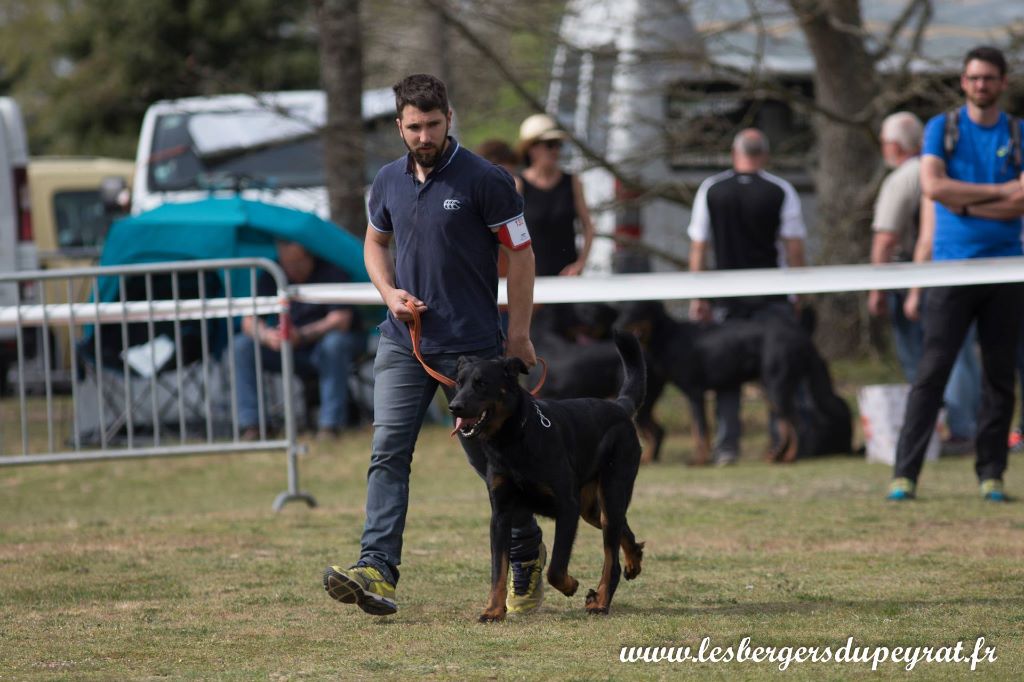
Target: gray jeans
<point>401,395</point>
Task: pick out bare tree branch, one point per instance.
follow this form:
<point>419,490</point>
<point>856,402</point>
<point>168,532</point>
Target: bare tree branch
<point>897,26</point>
<point>517,84</point>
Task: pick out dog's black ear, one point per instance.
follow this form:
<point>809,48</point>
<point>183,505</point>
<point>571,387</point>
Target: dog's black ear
<point>514,367</point>
<point>463,362</point>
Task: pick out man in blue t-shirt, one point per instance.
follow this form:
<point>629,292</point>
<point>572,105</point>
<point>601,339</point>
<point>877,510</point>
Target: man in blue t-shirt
<point>447,211</point>
<point>971,169</point>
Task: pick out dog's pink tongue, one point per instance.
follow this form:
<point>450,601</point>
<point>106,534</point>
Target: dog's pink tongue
<point>459,422</point>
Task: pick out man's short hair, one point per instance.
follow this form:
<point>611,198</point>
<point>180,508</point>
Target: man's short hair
<point>905,129</point>
<point>750,142</point>
<point>423,91</point>
<point>987,53</point>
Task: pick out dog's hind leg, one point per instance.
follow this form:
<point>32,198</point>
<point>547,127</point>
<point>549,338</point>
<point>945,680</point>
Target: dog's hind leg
<point>788,435</point>
<point>590,510</point>
<point>633,552</point>
<point>651,434</point>
<point>599,601</point>
<point>701,433</point>
<point>616,490</point>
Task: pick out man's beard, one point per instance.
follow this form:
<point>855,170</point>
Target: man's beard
<point>427,157</point>
<point>986,101</point>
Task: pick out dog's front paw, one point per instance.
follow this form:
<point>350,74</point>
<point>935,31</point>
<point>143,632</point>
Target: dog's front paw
<point>593,607</point>
<point>565,584</point>
<point>492,615</point>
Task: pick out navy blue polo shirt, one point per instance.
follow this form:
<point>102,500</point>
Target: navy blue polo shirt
<point>446,245</point>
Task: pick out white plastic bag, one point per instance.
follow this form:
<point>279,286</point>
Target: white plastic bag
<point>882,408</point>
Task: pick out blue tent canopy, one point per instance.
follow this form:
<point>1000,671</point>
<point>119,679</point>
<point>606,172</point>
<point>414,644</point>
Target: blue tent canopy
<point>225,228</point>
<point>215,228</point>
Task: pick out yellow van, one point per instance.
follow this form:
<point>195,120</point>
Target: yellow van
<point>70,221</point>
<point>69,217</point>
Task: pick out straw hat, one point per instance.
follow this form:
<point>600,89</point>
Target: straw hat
<point>538,128</point>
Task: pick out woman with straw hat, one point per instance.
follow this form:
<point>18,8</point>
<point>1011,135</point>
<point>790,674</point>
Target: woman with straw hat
<point>554,200</point>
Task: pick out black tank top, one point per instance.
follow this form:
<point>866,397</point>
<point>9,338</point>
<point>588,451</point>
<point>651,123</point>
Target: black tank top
<point>551,219</point>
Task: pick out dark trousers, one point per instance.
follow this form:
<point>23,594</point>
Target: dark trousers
<point>948,314</point>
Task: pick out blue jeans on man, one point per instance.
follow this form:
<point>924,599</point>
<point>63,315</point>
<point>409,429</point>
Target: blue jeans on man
<point>962,395</point>
<point>402,393</point>
<point>329,359</point>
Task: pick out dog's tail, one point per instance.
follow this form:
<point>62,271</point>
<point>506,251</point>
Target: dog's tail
<point>634,371</point>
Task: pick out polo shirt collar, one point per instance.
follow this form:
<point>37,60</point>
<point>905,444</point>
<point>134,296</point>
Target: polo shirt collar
<point>446,158</point>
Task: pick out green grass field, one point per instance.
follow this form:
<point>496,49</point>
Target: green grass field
<point>179,569</point>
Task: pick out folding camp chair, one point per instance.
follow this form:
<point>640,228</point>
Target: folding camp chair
<point>149,378</point>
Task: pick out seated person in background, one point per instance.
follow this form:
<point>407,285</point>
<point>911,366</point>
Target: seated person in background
<point>324,339</point>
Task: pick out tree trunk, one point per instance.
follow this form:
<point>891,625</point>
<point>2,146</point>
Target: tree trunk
<point>845,82</point>
<point>341,72</point>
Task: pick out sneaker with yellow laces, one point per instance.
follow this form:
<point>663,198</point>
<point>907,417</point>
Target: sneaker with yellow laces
<point>361,585</point>
<point>526,584</point>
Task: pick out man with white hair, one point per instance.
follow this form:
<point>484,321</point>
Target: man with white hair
<point>753,220</point>
<point>898,212</point>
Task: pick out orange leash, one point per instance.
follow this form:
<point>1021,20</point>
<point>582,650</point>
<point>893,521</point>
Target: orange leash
<point>416,331</point>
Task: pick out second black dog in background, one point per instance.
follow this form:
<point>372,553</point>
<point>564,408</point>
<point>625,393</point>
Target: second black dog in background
<point>698,358</point>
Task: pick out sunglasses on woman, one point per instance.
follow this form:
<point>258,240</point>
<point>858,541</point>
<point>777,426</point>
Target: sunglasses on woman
<point>551,144</point>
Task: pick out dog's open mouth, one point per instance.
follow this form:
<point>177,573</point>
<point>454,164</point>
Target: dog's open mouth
<point>468,427</point>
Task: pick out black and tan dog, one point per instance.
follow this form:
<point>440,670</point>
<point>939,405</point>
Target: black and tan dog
<point>559,458</point>
<point>781,355</point>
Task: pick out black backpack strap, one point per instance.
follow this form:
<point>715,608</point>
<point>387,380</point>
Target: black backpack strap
<point>1015,142</point>
<point>951,134</point>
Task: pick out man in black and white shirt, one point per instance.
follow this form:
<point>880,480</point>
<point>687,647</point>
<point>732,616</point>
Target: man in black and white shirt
<point>752,220</point>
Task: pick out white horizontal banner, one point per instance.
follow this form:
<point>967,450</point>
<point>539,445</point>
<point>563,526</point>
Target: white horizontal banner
<point>607,288</point>
<point>135,311</point>
<point>724,283</point>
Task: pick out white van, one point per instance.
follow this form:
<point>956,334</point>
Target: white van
<point>266,146</point>
<point>630,80</point>
<point>17,247</point>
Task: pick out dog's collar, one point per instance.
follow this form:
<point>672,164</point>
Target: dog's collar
<point>530,407</point>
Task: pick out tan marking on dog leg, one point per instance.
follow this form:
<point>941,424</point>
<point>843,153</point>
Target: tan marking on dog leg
<point>648,442</point>
<point>788,455</point>
<point>597,603</point>
<point>496,601</point>
<point>589,505</point>
<point>633,553</point>
<point>564,583</point>
<point>702,448</point>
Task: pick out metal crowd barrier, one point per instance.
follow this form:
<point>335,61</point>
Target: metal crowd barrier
<point>136,362</point>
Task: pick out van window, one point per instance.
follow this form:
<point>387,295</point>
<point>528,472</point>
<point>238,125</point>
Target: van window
<point>176,162</point>
<point>81,219</point>
<point>281,155</point>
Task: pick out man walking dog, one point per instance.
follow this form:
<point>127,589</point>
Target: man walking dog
<point>447,211</point>
<point>971,168</point>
